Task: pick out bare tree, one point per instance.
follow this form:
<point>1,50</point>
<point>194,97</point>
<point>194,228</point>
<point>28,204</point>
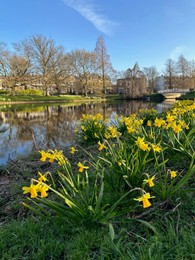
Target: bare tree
<point>83,66</point>
<point>104,65</point>
<point>18,69</point>
<point>44,56</point>
<point>170,74</point>
<point>61,70</point>
<point>151,74</point>
<point>192,73</point>
<point>4,60</point>
<point>120,74</point>
<point>183,70</point>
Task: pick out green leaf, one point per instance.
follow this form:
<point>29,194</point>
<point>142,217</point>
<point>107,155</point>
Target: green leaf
<point>111,231</point>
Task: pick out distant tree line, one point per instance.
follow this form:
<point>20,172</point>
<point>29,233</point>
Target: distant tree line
<point>176,74</point>
<point>39,61</point>
<point>180,73</point>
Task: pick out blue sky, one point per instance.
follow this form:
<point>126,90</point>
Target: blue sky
<point>144,31</point>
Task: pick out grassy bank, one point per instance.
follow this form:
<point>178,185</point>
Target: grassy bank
<point>189,96</point>
<point>24,235</point>
<point>93,209</point>
<point>70,98</point>
<point>36,98</point>
<point>154,98</point>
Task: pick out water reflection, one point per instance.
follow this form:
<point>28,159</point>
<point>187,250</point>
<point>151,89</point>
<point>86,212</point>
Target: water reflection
<point>50,126</point>
<point>166,104</point>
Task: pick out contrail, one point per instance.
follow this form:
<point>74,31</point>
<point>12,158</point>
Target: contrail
<point>87,10</point>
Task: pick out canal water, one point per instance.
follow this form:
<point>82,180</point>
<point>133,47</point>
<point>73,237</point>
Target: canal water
<point>25,127</point>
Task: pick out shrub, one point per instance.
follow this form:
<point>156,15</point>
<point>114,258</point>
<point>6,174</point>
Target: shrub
<point>35,92</point>
<point>4,92</point>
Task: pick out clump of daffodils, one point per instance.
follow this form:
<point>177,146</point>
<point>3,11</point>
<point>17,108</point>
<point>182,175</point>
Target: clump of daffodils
<point>37,187</point>
<point>91,128</point>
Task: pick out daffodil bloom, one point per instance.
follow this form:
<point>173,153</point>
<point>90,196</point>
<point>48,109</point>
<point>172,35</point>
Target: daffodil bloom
<point>42,188</point>
<point>172,173</point>
<point>141,144</point>
<point>150,181</point>
<point>159,122</point>
<point>99,116</point>
<point>113,131</point>
<point>107,135</point>
<point>82,167</point>
<point>170,118</point>
<point>73,150</point>
<point>130,129</point>
<point>42,177</point>
<point>32,190</point>
<point>176,128</point>
<point>43,156</point>
<point>51,157</point>
<point>101,146</point>
<point>145,199</point>
<point>156,148</point>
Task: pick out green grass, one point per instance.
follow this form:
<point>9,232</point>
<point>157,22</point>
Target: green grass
<point>190,95</point>
<point>169,233</point>
<point>30,98</point>
<point>35,238</point>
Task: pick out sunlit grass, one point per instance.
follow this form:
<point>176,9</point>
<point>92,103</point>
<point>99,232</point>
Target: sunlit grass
<point>30,98</point>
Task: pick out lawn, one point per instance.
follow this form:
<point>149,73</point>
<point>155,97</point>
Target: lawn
<point>36,98</point>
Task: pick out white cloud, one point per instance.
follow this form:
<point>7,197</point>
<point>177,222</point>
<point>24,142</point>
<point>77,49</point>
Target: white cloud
<point>177,52</point>
<point>87,10</point>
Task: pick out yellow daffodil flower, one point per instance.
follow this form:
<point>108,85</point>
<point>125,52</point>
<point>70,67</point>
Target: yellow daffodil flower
<point>156,148</point>
<point>42,177</point>
<point>32,190</point>
<point>170,118</point>
<point>101,146</point>
<point>159,122</point>
<point>82,167</point>
<point>141,144</point>
<point>172,173</point>
<point>35,189</point>
<point>150,181</point>
<point>43,156</point>
<point>145,199</point>
<point>42,188</point>
<point>73,150</point>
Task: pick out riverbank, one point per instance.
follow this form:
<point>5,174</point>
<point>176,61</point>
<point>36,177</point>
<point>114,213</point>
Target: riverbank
<point>25,99</point>
<point>189,96</point>
<point>5,99</point>
<point>29,99</point>
<point>144,155</point>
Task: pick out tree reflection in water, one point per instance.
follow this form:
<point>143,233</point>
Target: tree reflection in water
<point>50,126</point>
